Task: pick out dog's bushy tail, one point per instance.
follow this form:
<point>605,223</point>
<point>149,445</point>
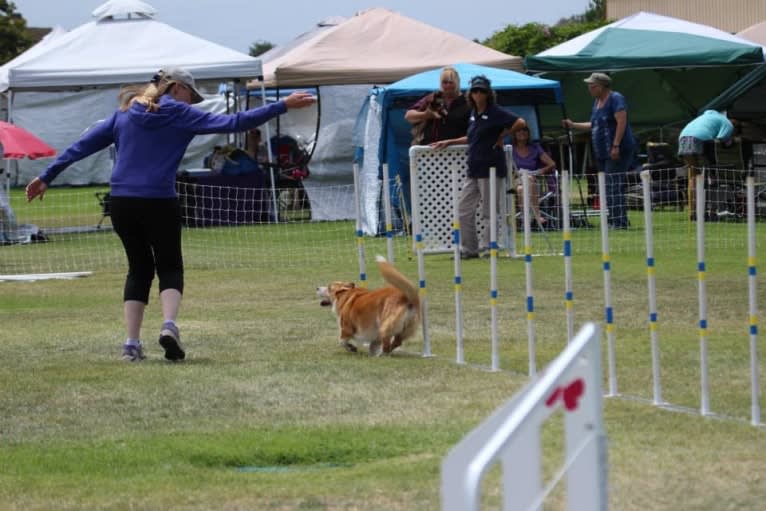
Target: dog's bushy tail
<point>396,279</point>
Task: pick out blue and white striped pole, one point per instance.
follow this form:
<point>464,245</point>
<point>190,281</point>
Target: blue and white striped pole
<point>531,340</point>
<point>608,312</point>
<point>566,234</point>
<point>359,233</point>
<point>388,214</point>
<point>755,408</point>
<point>419,246</point>
<point>459,348</point>
<point>493,265</point>
<point>704,387</point>
<point>646,181</point>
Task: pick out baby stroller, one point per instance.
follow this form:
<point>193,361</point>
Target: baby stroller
<point>288,170</point>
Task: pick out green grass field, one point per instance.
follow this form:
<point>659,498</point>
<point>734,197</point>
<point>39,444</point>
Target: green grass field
<point>268,413</point>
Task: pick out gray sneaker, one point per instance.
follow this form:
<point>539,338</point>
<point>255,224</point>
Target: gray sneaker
<point>132,353</point>
<point>170,340</point>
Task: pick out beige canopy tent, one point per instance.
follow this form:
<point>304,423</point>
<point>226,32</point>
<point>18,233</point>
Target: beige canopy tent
<point>755,33</point>
<point>374,46</point>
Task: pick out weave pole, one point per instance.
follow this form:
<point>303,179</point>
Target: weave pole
<point>423,292</point>
<point>359,233</point>
<point>459,349</point>
<point>755,407</point>
<point>493,265</point>
<point>388,214</point>
<point>531,340</point>
<point>608,313</point>
<point>704,386</point>
<point>651,278</point>
<point>566,234</point>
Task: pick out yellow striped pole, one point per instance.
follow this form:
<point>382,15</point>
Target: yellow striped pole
<point>458,279</point>
<point>531,336</point>
<point>646,180</point>
<point>608,312</point>
<point>755,408</point>
<point>566,234</point>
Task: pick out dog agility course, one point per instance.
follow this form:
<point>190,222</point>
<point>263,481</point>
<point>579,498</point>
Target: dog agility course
<point>268,412</point>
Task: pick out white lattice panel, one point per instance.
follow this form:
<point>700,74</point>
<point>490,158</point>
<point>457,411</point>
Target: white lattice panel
<point>432,213</point>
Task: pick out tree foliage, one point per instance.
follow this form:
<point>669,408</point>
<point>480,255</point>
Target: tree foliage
<point>533,38</point>
<point>14,39</point>
<point>259,47</point>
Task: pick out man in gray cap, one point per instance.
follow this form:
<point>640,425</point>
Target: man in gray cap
<point>612,143</point>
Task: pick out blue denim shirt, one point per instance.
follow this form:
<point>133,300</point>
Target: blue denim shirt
<point>604,125</point>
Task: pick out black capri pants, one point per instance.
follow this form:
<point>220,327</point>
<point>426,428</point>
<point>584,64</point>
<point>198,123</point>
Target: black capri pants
<point>150,231</point>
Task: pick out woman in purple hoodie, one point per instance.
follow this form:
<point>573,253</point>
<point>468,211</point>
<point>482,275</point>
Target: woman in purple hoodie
<point>151,131</point>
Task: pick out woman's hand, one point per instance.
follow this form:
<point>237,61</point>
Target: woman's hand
<point>36,188</point>
<point>614,152</point>
<point>299,100</point>
<point>441,144</point>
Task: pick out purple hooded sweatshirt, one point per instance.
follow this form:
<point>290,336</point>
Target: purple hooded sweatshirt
<point>150,145</point>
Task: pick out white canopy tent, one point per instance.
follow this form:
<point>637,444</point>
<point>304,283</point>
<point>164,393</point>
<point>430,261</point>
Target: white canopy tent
<point>63,85</point>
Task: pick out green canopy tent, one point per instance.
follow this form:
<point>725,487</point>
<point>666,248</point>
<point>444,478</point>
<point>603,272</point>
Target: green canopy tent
<point>745,99</point>
<point>667,68</point>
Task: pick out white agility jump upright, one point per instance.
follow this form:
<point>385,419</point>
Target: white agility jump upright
<point>511,436</point>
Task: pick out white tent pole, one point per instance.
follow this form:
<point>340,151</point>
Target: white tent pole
<point>7,163</point>
<point>269,158</point>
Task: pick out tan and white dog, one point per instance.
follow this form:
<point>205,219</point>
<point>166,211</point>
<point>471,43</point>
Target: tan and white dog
<point>382,317</point>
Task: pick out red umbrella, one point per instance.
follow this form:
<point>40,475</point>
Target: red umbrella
<point>19,143</point>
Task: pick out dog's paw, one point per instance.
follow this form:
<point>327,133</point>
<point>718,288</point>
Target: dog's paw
<point>349,347</point>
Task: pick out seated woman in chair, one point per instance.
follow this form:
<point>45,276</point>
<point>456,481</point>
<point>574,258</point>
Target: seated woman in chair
<point>532,157</point>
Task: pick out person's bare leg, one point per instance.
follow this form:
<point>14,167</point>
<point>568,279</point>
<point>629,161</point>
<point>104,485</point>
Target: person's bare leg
<point>134,316</point>
<point>171,303</point>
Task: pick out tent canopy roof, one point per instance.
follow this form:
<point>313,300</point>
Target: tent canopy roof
<point>116,8</point>
<point>666,68</point>
<point>528,89</point>
<point>113,51</point>
<point>754,33</point>
<point>647,41</point>
<point>374,46</point>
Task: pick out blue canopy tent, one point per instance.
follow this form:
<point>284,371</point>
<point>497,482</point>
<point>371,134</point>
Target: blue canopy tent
<point>518,92</point>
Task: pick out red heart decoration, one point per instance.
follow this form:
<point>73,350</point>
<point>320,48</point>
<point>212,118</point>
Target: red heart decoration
<point>571,395</point>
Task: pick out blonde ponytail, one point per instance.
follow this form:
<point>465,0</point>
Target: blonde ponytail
<point>147,95</point>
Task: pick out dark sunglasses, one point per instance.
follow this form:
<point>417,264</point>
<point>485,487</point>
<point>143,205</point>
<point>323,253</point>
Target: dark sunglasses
<point>448,81</point>
<point>483,91</point>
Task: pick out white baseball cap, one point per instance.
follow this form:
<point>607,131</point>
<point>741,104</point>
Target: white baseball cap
<point>179,74</point>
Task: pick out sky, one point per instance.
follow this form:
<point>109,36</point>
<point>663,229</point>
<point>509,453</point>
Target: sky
<point>239,23</point>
